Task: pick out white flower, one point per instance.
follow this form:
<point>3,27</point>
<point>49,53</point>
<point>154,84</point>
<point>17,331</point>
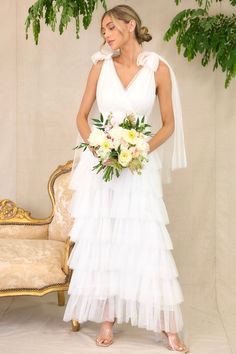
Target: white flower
<point>123,144</point>
<point>135,152</point>
<point>130,136</point>
<point>142,145</point>
<point>103,154</point>
<point>106,145</point>
<point>143,136</point>
<point>125,157</point>
<point>116,134</point>
<point>105,148</point>
<point>96,136</point>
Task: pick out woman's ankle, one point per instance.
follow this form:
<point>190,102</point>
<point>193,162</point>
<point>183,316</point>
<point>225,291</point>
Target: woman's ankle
<point>107,322</point>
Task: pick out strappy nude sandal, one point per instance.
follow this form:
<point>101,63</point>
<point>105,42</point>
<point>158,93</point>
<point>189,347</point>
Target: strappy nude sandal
<point>172,346</point>
<point>105,334</point>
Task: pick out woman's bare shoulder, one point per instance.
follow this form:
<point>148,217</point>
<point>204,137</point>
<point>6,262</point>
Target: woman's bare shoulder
<point>163,69</point>
<point>96,69</point>
<point>162,74</point>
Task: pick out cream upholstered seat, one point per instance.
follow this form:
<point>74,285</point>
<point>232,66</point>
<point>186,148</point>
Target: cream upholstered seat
<point>31,263</point>
<point>34,252</point>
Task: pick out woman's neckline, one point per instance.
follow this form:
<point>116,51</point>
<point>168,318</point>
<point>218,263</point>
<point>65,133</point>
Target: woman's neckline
<point>125,88</point>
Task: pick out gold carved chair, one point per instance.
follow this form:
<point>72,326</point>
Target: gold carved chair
<point>34,252</point>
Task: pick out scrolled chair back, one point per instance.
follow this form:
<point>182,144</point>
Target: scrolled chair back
<point>60,196</point>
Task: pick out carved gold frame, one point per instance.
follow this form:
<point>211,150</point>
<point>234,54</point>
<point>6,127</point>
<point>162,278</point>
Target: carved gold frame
<point>12,214</point>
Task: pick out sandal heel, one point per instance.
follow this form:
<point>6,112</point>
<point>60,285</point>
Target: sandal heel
<point>104,331</point>
<point>172,346</point>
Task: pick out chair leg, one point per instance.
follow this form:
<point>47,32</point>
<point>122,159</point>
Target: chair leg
<point>75,326</point>
<point>61,298</point>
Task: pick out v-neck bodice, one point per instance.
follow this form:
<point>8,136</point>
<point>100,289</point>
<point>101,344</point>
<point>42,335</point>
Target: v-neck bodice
<point>133,79</point>
<point>140,94</point>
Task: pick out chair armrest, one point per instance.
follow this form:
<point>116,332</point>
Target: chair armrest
<point>68,248</point>
<point>11,214</point>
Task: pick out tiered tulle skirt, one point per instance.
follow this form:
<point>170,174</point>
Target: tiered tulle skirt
<point>122,262</point>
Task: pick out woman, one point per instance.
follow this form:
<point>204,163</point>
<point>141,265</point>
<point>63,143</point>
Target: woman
<point>122,265</point>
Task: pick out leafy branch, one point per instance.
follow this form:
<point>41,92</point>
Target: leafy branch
<point>214,37</point>
<point>69,9</point>
<point>206,3</point>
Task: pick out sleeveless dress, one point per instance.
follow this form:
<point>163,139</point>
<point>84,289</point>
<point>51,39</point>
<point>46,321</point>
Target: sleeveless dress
<point>122,262</point>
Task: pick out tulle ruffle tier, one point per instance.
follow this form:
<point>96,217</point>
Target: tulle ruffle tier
<point>122,261</point>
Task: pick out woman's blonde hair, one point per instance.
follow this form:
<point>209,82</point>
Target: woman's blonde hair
<point>127,13</point>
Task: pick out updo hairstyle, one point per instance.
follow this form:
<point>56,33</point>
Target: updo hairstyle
<point>127,13</point>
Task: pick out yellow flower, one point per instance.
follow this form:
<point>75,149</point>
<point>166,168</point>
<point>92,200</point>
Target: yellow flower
<point>130,135</point>
<point>106,145</point>
<point>125,157</point>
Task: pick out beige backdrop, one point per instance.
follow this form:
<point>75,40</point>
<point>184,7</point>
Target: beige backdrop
<point>41,88</point>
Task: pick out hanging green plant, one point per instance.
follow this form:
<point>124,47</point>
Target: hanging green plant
<point>214,37</point>
<point>69,9</point>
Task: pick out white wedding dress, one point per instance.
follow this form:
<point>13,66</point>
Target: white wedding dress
<point>122,261</point>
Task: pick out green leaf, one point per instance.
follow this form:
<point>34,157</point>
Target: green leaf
<point>96,120</point>
<point>47,10</point>
<point>213,37</point>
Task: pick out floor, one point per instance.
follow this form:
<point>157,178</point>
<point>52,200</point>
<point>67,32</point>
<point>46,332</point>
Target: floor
<point>34,325</point>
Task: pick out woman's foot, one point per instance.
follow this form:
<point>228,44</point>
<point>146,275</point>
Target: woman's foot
<point>174,342</point>
<point>105,336</point>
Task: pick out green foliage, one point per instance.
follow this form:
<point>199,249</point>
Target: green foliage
<point>139,125</point>
<point>206,3</point>
<point>129,122</point>
<point>69,9</point>
<point>213,37</point>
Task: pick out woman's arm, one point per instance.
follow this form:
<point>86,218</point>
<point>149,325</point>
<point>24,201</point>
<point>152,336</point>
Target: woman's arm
<point>87,101</point>
<point>164,92</point>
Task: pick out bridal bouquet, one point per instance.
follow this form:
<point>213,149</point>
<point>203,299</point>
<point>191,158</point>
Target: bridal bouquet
<point>119,146</point>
